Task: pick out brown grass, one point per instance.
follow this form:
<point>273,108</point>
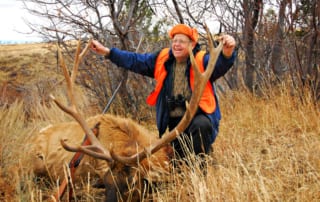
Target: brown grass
<point>267,150</point>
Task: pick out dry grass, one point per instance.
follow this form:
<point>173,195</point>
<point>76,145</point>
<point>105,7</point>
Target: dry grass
<point>267,150</point>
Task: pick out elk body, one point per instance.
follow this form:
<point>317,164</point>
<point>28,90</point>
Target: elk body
<point>129,152</point>
<point>122,135</point>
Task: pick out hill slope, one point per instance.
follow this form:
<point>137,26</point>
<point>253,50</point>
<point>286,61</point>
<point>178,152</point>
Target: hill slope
<point>26,68</point>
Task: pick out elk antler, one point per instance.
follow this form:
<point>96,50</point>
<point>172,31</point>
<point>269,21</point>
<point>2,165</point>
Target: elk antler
<point>96,149</point>
<point>200,82</point>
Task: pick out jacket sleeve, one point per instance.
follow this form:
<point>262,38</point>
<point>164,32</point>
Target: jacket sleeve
<point>143,64</point>
<point>222,66</point>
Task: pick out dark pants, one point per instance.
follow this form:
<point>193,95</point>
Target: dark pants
<point>196,137</point>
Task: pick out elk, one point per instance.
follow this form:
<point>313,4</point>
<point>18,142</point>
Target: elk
<point>129,152</point>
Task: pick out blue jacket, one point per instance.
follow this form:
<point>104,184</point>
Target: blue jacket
<point>144,64</point>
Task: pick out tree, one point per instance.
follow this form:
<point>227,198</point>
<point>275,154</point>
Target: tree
<point>277,50</point>
<point>251,11</point>
<point>122,24</point>
<point>270,48</point>
<point>306,18</point>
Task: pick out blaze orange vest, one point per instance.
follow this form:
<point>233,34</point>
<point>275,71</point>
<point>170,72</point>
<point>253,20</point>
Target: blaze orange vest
<point>207,102</point>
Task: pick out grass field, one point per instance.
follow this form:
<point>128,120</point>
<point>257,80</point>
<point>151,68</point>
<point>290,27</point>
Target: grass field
<point>267,149</point>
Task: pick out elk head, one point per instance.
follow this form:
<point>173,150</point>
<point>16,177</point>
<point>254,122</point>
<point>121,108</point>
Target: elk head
<point>123,167</point>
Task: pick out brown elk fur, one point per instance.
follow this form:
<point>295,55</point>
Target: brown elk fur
<point>122,135</point>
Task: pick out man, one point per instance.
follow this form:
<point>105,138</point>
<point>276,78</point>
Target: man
<point>171,69</point>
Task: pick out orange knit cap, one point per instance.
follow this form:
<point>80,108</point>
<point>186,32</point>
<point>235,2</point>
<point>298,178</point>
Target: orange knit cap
<point>192,33</point>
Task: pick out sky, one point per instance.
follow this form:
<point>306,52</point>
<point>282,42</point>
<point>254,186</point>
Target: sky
<point>11,22</point>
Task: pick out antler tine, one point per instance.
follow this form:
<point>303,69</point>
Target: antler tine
<point>78,58</point>
<point>97,150</point>
<point>76,62</point>
<point>214,52</point>
<point>201,80</point>
<point>66,76</point>
<point>90,150</point>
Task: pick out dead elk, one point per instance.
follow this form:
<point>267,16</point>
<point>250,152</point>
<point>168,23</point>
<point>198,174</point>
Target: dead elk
<point>121,135</point>
<point>129,160</point>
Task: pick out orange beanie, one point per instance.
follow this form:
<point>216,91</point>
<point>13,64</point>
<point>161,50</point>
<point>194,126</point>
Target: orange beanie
<point>192,33</point>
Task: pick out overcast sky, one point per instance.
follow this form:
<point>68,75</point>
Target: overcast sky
<point>13,27</point>
<point>11,22</point>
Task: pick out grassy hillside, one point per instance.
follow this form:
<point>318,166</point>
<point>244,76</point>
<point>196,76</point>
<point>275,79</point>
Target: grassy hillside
<point>27,72</point>
<point>25,63</point>
<point>267,149</point>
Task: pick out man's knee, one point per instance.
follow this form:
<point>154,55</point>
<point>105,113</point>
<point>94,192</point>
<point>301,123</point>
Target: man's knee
<point>201,129</point>
<point>202,124</point>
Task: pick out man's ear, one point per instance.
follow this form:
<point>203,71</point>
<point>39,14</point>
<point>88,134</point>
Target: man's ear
<point>193,44</point>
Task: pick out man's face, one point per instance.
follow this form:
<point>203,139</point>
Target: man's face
<point>180,44</point>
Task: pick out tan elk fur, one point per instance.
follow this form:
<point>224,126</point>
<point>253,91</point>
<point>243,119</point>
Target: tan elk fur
<point>121,135</point>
